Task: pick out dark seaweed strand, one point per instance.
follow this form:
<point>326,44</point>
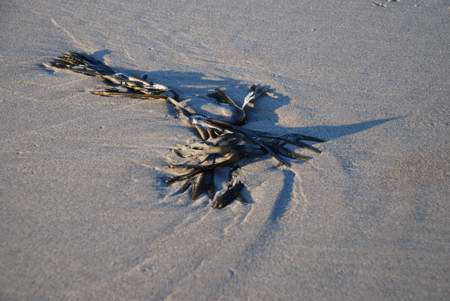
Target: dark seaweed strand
<point>186,185</point>
<point>233,190</point>
<point>183,177</point>
<point>229,196</point>
<point>199,186</point>
<point>209,183</point>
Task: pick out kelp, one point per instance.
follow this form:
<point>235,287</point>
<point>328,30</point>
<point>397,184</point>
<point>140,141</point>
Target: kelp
<point>223,144</point>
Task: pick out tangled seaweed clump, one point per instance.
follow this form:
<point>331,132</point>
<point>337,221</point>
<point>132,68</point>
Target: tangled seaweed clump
<point>223,143</point>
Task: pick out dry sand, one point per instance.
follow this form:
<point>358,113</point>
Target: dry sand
<point>86,214</point>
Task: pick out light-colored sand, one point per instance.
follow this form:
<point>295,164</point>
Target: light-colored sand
<point>85,212</point>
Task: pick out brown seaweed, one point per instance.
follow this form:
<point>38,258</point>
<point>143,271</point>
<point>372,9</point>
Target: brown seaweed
<point>223,144</point>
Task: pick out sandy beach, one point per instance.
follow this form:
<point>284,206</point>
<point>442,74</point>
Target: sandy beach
<point>86,213</point>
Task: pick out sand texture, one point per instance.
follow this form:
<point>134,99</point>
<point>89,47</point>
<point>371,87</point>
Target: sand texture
<point>85,210</point>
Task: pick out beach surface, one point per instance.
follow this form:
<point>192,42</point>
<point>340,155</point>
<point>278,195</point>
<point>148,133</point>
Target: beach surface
<point>85,210</point>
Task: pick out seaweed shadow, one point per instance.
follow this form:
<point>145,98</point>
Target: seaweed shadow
<point>281,203</point>
<point>193,88</point>
<point>327,133</point>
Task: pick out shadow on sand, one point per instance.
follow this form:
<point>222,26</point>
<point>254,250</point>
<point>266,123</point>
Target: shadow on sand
<point>193,88</point>
<point>327,133</point>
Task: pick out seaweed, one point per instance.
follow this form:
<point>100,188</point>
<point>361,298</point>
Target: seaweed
<point>223,144</point>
